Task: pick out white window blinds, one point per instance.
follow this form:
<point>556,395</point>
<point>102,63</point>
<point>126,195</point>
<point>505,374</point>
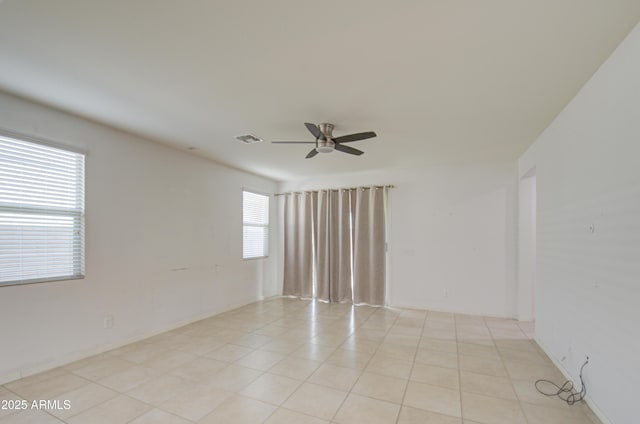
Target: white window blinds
<point>255,219</point>
<point>41,212</point>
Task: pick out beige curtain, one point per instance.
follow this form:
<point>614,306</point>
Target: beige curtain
<point>338,237</point>
<point>323,246</point>
<point>298,247</point>
<point>333,251</point>
<point>369,246</point>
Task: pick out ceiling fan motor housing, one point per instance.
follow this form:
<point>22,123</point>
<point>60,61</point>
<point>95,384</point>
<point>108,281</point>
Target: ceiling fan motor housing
<point>327,145</point>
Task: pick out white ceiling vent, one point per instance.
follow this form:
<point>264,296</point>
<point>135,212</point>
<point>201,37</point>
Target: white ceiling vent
<point>249,138</point>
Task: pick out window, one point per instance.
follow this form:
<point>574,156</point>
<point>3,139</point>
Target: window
<point>255,222</point>
<point>41,212</point>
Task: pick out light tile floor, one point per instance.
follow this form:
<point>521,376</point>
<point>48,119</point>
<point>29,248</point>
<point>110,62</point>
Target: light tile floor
<point>288,361</point>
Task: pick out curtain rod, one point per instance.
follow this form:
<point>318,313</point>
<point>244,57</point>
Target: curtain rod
<point>334,189</point>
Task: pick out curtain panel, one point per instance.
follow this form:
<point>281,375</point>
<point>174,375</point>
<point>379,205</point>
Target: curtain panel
<point>299,212</point>
<point>369,247</point>
<point>333,241</point>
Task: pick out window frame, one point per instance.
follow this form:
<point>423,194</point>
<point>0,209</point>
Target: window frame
<point>267,225</point>
<point>80,215</point>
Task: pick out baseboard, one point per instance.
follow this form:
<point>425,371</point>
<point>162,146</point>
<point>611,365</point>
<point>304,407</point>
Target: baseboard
<point>524,318</point>
<point>76,356</point>
<point>589,401</point>
<point>449,311</point>
<point>6,378</point>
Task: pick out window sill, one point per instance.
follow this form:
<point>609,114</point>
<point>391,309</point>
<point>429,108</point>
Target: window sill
<point>41,280</point>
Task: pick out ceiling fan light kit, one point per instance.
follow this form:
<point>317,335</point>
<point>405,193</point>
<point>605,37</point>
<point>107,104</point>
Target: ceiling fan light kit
<point>327,143</point>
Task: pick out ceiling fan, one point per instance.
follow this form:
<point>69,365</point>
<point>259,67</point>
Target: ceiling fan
<point>326,142</point>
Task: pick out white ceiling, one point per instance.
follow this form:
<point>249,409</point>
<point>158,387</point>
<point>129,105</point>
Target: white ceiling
<point>440,81</point>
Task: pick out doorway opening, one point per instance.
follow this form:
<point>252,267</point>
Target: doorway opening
<point>527,246</point>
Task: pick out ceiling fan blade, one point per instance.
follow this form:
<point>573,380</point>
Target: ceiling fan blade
<point>347,149</point>
<point>313,129</point>
<point>354,137</point>
<point>293,142</point>
<point>311,154</point>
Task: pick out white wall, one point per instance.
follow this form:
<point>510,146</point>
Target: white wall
<point>452,241</point>
<point>588,283</point>
<point>149,209</point>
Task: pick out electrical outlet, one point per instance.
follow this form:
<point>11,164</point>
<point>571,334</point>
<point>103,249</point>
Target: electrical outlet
<point>108,321</point>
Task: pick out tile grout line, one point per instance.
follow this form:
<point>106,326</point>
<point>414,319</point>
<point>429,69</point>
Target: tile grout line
<point>413,363</point>
<point>526,420</point>
<point>455,324</point>
<point>125,393</point>
<point>359,376</point>
<point>306,380</point>
<point>367,364</point>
